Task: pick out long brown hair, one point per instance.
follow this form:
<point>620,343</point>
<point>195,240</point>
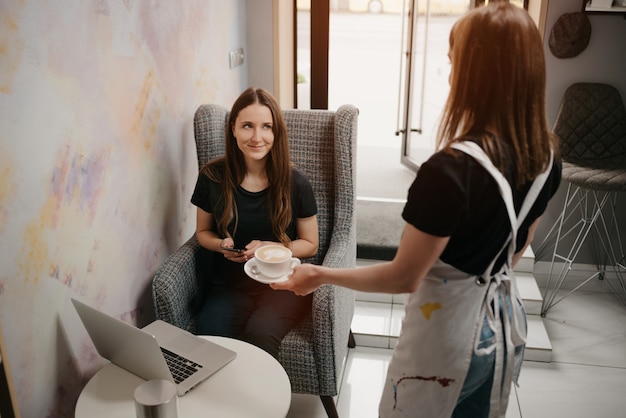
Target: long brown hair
<point>230,169</point>
<point>497,89</point>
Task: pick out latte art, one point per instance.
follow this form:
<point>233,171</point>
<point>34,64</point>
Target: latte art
<point>274,261</point>
<point>273,254</point>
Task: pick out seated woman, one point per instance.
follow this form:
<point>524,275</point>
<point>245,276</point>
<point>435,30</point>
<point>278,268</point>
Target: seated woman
<point>250,197</point>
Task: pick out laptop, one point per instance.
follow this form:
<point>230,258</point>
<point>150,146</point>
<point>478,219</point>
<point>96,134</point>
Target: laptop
<point>158,351</point>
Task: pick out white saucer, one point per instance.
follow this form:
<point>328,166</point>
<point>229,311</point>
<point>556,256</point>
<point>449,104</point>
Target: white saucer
<point>260,277</point>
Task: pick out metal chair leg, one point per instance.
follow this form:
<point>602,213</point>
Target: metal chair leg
<point>590,204</point>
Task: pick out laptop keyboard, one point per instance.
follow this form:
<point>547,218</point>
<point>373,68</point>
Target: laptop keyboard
<point>180,366</point>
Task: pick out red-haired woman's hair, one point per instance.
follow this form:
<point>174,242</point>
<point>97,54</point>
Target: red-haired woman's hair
<point>497,88</point>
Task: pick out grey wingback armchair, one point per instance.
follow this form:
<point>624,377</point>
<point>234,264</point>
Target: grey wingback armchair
<point>322,144</point>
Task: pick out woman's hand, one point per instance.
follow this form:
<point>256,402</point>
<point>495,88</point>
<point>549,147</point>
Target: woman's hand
<point>254,244</point>
<point>247,252</point>
<point>305,279</point>
<point>234,256</point>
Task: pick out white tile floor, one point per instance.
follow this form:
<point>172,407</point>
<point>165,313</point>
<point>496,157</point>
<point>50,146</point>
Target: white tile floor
<point>586,378</point>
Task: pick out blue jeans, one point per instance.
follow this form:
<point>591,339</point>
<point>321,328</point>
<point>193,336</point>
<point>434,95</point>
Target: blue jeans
<point>476,392</point>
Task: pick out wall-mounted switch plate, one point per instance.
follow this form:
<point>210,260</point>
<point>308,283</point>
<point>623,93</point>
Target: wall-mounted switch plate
<point>235,58</point>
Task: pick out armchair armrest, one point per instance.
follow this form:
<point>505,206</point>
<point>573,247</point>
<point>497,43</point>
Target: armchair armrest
<point>333,309</point>
<point>177,288</point>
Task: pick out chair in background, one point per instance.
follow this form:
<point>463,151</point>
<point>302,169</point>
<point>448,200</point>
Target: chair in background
<point>323,145</point>
<point>591,125</point>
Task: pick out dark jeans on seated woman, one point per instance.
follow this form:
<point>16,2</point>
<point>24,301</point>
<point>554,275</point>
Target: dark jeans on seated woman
<point>255,314</point>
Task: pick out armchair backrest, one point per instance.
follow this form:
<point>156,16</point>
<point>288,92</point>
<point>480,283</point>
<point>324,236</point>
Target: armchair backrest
<point>322,144</point>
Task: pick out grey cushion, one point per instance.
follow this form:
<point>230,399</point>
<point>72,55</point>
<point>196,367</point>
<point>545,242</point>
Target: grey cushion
<point>599,179</point>
<point>323,145</point>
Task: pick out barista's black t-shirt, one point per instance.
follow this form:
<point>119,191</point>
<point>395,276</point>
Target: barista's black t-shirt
<point>453,195</point>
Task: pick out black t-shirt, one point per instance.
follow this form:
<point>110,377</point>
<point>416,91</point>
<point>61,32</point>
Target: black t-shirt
<point>253,221</point>
<point>453,195</point>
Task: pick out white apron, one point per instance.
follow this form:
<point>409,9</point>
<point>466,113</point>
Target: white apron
<point>443,320</point>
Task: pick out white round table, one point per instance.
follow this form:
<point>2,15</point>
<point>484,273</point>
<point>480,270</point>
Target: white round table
<point>254,384</point>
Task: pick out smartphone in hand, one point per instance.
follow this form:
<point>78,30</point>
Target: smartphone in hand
<point>234,250</point>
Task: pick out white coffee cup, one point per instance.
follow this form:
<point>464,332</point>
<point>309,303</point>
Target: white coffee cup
<point>274,260</point>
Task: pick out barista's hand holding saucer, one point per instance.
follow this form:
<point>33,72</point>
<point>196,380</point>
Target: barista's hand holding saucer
<point>305,279</point>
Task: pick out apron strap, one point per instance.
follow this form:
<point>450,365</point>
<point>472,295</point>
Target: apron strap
<point>474,150</point>
<point>534,191</point>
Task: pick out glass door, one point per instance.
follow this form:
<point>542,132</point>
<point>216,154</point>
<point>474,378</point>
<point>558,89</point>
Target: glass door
<point>364,63</point>
<point>426,70</point>
<point>389,59</point>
